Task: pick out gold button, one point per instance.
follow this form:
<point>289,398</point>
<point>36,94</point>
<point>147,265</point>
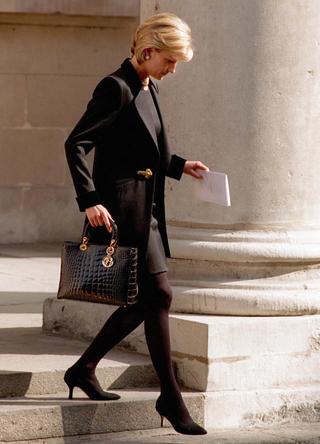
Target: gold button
<point>147,173</point>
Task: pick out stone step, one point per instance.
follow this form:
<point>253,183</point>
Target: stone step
<point>217,353</point>
<point>33,363</point>
<point>53,416</point>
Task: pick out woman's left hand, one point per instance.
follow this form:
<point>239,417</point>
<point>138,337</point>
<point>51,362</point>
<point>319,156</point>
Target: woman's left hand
<point>191,166</point>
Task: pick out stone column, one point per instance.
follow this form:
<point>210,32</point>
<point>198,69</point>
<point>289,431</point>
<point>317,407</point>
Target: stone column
<point>246,105</point>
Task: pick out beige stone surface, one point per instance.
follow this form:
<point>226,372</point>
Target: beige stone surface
<point>260,408</point>
<point>67,20</point>
<point>304,433</point>
<point>39,213</point>
<point>220,353</point>
<point>10,214</point>
<point>32,156</point>
<point>12,110</point>
<point>52,416</point>
<point>51,213</point>
<point>58,101</point>
<point>49,66</point>
<point>79,7</point>
<point>247,105</point>
<point>62,50</point>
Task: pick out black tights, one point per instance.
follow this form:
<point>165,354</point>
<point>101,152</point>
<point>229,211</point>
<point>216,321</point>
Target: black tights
<point>154,310</point>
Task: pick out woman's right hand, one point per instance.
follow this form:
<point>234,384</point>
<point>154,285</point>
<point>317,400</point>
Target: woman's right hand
<point>99,216</point>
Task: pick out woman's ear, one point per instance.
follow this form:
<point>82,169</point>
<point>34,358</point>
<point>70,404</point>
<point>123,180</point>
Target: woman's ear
<point>147,53</point>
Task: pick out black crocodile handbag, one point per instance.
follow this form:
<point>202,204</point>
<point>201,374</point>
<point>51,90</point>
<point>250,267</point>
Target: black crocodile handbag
<point>99,273</point>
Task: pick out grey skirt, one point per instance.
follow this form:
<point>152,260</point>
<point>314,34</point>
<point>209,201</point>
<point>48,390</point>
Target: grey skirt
<point>156,256</point>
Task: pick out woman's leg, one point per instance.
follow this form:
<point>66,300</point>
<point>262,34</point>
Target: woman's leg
<point>122,322</point>
<point>82,374</point>
<point>157,305</point>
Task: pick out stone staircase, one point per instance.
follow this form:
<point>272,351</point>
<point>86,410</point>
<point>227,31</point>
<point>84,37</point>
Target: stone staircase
<point>34,398</point>
<point>34,401</point>
<point>247,371</point>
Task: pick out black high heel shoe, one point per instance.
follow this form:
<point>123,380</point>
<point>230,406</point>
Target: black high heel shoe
<point>80,377</point>
<point>190,428</point>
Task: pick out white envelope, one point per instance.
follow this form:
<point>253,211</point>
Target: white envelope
<point>213,188</point>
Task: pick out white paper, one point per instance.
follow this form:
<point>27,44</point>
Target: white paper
<point>213,188</point>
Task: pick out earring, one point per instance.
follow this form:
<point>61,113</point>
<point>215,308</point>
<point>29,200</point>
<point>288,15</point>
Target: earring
<point>147,57</point>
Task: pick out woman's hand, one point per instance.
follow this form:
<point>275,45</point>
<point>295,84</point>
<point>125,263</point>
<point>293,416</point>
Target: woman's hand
<point>191,166</point>
<point>99,216</point>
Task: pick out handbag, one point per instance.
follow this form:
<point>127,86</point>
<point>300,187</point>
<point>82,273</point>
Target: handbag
<point>99,273</point>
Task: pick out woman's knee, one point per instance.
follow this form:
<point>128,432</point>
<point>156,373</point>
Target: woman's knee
<point>163,298</point>
<point>162,292</point>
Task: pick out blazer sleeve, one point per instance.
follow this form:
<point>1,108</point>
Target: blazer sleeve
<point>175,169</point>
<point>102,110</point>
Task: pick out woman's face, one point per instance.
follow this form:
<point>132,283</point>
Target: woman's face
<point>160,64</point>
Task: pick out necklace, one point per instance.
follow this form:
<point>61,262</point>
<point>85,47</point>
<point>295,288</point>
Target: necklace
<point>145,85</point>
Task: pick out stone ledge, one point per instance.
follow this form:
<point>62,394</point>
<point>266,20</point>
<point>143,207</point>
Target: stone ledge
<point>64,20</point>
<point>301,246</point>
<point>112,8</point>
<point>246,301</point>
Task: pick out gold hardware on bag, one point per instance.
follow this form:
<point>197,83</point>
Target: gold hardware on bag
<point>147,173</point>
<point>84,245</point>
<point>108,261</point>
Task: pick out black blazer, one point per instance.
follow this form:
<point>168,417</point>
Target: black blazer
<point>125,141</point>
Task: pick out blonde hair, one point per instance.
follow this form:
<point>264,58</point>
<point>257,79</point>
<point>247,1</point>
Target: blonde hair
<point>163,32</point>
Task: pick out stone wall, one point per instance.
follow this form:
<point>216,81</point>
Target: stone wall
<point>52,56</point>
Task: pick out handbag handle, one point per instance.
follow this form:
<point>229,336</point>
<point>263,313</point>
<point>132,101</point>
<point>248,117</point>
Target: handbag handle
<point>85,237</point>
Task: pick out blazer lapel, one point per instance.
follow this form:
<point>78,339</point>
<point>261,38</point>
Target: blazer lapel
<point>146,117</point>
<point>130,76</point>
<point>158,106</point>
<point>134,82</point>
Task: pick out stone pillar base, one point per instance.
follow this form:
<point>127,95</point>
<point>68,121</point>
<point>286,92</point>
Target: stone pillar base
<point>245,273</point>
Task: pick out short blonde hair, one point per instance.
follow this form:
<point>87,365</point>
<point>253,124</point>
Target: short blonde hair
<point>164,32</point>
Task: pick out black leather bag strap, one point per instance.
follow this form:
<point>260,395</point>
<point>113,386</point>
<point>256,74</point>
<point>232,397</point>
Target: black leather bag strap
<point>114,234</point>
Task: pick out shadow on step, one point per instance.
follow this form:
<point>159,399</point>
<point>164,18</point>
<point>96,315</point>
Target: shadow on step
<point>14,383</point>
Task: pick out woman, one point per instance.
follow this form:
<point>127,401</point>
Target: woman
<point>124,123</point>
